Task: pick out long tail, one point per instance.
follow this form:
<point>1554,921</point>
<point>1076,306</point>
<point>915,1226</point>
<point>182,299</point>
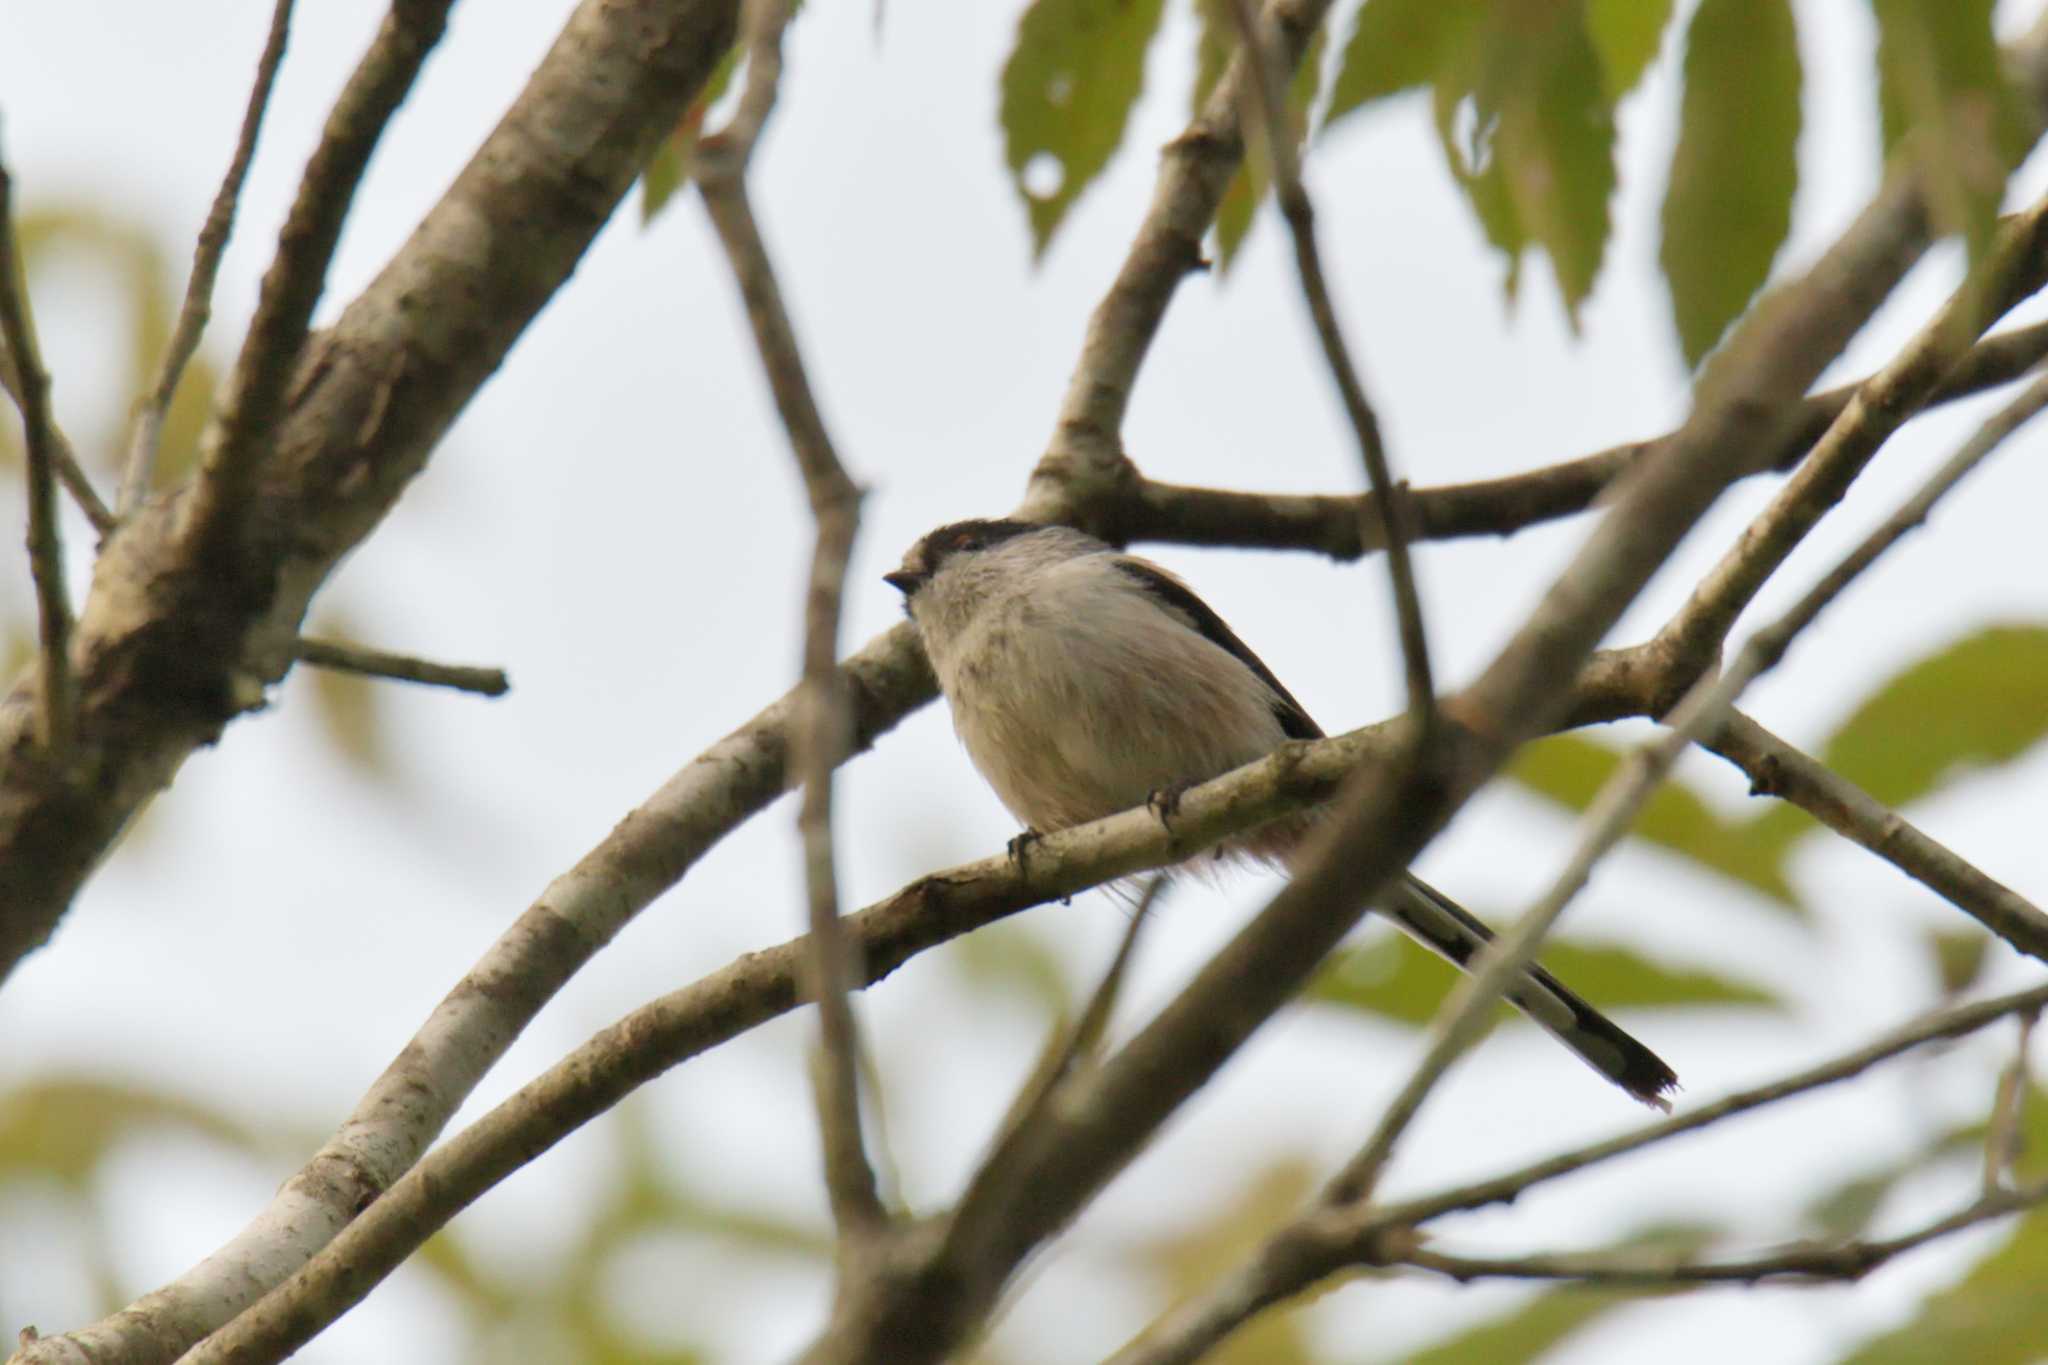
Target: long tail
<point>1447,929</point>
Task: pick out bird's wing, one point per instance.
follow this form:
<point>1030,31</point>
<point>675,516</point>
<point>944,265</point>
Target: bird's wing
<point>1179,598</point>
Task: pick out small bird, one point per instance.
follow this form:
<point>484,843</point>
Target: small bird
<point>1084,681</point>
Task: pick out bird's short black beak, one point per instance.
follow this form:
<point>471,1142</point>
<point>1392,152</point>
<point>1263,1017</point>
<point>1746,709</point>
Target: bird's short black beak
<point>904,581</point>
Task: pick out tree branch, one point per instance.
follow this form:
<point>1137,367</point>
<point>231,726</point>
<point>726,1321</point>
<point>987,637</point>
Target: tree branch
<point>182,634</point>
<point>1464,1016</point>
<point>1776,768</point>
<point>376,663</point>
<point>57,706</point>
<point>69,472</point>
<point>721,163</point>
<point>2015,267</point>
<point>1268,83</point>
<point>146,434</point>
<point>1330,1238</point>
<point>254,398</point>
<point>1083,472</point>
<point>1345,527</point>
<point>1809,1261</point>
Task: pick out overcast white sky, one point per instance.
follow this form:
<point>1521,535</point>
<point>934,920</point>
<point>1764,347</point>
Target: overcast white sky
<point>616,521</point>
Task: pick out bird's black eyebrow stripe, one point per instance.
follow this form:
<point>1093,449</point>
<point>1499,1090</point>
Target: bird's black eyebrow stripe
<point>978,534</point>
<point>1171,592</point>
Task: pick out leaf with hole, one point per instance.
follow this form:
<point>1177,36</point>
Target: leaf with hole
<point>1074,73</point>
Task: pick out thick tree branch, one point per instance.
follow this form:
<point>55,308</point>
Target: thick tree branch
<point>179,636</point>
<point>146,434</point>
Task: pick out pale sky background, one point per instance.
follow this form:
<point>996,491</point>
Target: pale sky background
<point>616,520</point>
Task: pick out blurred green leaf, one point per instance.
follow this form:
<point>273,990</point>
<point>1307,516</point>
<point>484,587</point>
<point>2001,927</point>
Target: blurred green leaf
<point>1546,1321</point>
<point>1959,957</point>
<point>1016,957</point>
<point>1192,1260</point>
<point>1729,204</point>
<point>63,1128</point>
<point>1538,164</point>
<point>1067,91</point>
<point>1943,98</point>
<point>668,170</point>
<point>1977,703</point>
<point>1570,770</point>
<point>1846,1210</point>
<point>1997,1315</point>
<point>1400,980</point>
<point>351,708</point>
<point>1626,34</point>
<point>1216,42</point>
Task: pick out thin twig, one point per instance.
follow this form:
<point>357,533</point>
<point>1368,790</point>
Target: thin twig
<point>1776,768</point>
<point>376,663</point>
<point>254,397</point>
<point>1327,1239</point>
<point>2002,1139</point>
<point>722,161</point>
<point>1268,84</point>
<point>69,472</point>
<point>997,1179</point>
<point>57,712</point>
<point>1804,1261</point>
<point>146,434</point>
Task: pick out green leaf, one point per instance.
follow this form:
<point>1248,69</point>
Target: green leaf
<point>668,170</point>
<point>62,1129</point>
<point>1975,704</point>
<point>1398,979</point>
<point>1539,165</point>
<point>1847,1209</point>
<point>1960,956</point>
<point>1068,88</point>
<point>1524,111</point>
<point>1398,45</point>
<point>1626,34</point>
<point>1729,204</point>
<point>1944,100</point>
<point>1997,1315</point>
<point>1570,770</point>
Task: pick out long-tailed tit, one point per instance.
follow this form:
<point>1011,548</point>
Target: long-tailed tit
<point>1083,681</point>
